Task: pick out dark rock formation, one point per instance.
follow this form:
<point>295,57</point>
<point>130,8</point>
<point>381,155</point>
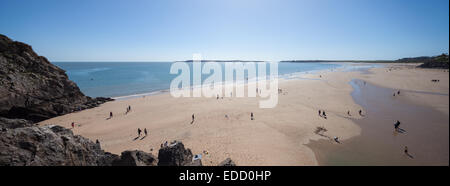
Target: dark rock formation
<point>32,88</point>
<point>6,123</point>
<point>23,144</point>
<point>50,146</point>
<point>437,65</point>
<point>57,146</point>
<point>227,162</point>
<point>440,62</point>
<point>174,154</point>
<point>135,158</point>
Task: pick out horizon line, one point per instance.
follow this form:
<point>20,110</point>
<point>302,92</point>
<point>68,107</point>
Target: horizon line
<point>221,60</point>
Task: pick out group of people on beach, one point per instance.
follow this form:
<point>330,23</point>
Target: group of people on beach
<point>435,80</point>
<point>140,131</point>
<point>359,112</point>
<point>111,113</point>
<point>226,116</point>
<point>322,114</point>
<point>398,93</point>
<point>128,109</point>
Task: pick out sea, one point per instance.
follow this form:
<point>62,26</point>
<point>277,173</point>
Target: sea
<point>121,80</point>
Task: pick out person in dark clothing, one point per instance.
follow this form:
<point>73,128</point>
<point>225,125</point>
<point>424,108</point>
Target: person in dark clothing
<point>320,113</point>
<point>348,113</point>
<point>360,112</point>
<point>110,114</point>
<point>145,131</point>
<point>396,125</point>
<point>139,132</point>
<point>73,124</point>
<point>193,118</point>
<point>251,116</point>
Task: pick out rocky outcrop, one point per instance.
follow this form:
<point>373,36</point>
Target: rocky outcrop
<point>57,146</point>
<point>436,65</point>
<point>227,162</point>
<point>135,158</point>
<point>175,154</point>
<point>50,146</point>
<point>32,88</point>
<point>6,123</point>
<point>438,62</point>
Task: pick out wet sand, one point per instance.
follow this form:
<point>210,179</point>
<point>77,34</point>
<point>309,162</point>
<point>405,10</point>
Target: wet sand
<point>426,132</point>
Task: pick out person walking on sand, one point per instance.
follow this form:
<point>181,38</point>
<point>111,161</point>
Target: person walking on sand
<point>251,116</point>
<point>336,139</point>
<point>110,114</point>
<point>145,131</point>
<point>396,125</point>
<point>398,93</point>
<point>348,113</point>
<point>320,113</point>
<point>406,150</point>
<point>139,132</point>
<point>73,124</point>
<point>360,112</point>
<point>193,118</point>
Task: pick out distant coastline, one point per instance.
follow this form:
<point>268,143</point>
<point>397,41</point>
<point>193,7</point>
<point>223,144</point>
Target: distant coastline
<point>338,61</point>
<point>443,58</point>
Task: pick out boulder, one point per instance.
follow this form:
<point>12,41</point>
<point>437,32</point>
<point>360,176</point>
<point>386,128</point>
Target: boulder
<point>135,158</point>
<point>227,162</point>
<point>174,154</point>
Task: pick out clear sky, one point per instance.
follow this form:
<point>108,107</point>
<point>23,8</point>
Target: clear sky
<point>168,30</point>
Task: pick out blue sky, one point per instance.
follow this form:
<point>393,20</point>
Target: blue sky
<point>168,30</point>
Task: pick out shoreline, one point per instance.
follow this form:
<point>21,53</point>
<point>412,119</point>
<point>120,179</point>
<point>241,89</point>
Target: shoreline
<point>349,66</point>
<point>291,125</point>
<point>377,145</point>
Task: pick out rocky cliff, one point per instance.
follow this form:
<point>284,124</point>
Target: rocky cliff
<point>57,146</point>
<point>50,146</point>
<point>32,88</point>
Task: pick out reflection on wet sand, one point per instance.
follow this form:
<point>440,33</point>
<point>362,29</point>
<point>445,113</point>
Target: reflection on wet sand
<point>422,138</point>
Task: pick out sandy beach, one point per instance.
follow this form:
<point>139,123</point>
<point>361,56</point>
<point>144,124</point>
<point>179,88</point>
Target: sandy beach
<point>277,136</point>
